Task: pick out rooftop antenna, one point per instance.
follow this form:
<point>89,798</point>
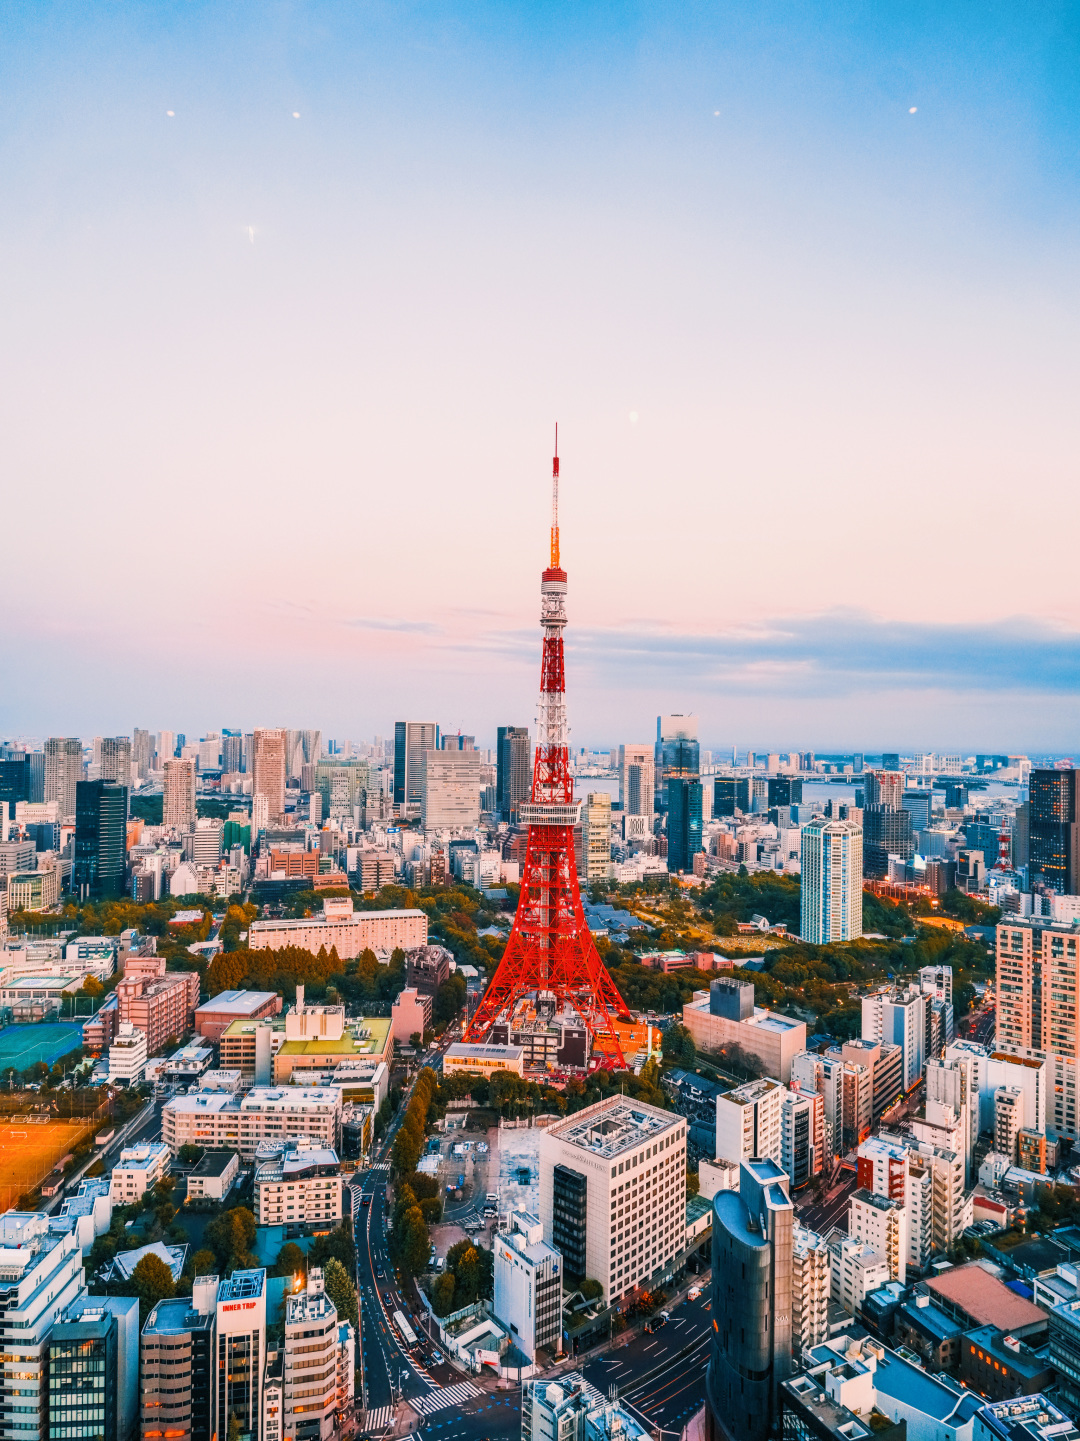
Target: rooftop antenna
<point>555,503</point>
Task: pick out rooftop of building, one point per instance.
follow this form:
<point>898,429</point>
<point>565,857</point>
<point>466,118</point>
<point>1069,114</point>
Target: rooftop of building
<point>124,1262</point>
<point>213,1163</point>
<point>242,1286</point>
<point>137,1158</point>
<point>352,919</point>
<point>751,1091</point>
<point>879,1203</point>
<point>282,1098</point>
<point>296,1161</point>
<point>984,1298</point>
<point>174,1317</point>
<point>1018,1357</point>
<point>931,1320</point>
<point>240,1003</point>
<point>1027,1418</point>
<point>763,1019</point>
<point>308,1306</point>
<point>464,1050</point>
<point>829,1414</point>
<point>611,1127</point>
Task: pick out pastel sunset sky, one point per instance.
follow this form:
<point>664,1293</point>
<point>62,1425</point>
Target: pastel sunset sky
<point>293,294</point>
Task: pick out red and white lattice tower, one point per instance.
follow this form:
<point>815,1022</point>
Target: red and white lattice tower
<point>551,953</point>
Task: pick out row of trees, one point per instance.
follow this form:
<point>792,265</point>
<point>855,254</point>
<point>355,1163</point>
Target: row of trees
<point>409,1141</point>
<point>469,1277</point>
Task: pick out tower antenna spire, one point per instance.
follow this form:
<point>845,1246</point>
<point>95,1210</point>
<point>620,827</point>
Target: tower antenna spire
<point>555,503</point>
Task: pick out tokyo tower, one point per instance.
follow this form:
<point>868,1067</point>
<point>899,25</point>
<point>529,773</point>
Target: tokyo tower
<point>551,954</point>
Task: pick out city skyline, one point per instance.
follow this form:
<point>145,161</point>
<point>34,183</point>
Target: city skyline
<point>798,289</point>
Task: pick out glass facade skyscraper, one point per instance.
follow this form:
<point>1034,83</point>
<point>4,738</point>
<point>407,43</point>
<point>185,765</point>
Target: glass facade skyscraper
<point>100,859</point>
<point>1052,831</point>
<point>513,778</point>
<point>684,823</point>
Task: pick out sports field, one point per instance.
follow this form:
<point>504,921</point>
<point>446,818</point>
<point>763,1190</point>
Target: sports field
<point>23,1046</point>
<point>28,1153</point>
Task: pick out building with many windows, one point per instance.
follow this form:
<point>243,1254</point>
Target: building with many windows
<point>411,740</point>
<point>297,1184</point>
<point>637,788</point>
<point>449,790</point>
<point>684,821</point>
<point>227,1121</point>
<point>94,1370</point>
<point>310,1393</point>
<point>513,773</point>
<point>241,1351</point>
<point>1053,840</point>
<point>139,1168</point>
<point>100,855</point>
<point>613,1192</point>
<point>178,1366</point>
<point>528,1285</point>
<point>1038,979</point>
<point>832,881</point>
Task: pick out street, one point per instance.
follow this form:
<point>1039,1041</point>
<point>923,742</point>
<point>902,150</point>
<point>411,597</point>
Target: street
<point>832,1211</point>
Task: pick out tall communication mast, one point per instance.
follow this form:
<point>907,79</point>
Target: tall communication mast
<point>551,953</point>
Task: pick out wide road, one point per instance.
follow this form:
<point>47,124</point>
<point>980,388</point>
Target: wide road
<point>833,1209</point>
<point>661,1376</point>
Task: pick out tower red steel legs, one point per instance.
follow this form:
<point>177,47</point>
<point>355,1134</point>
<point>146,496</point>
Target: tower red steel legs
<point>551,952</point>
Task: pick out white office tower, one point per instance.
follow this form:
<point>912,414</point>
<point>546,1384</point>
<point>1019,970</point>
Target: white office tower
<point>311,1363</point>
<point>832,881</point>
<point>748,1122</point>
<point>881,1222</point>
<point>613,1193</point>
<point>898,1017</point>
<point>1008,1120</point>
<point>952,1103</point>
<point>811,1288</point>
<point>937,981</point>
<point>595,838</point>
<point>241,1349</point>
<point>43,1274</point>
<point>528,1285</point>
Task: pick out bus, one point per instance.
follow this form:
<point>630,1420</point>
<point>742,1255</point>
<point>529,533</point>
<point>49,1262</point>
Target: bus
<point>408,1335</point>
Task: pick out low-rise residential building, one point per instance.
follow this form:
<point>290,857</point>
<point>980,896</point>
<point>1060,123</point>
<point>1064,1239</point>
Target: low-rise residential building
<point>484,1060</point>
<point>297,1183</point>
<point>999,1365</point>
<point>214,1176</point>
<point>159,1002</point>
<point>352,932</point>
<point>215,1016</point>
<point>127,1055</point>
<point>856,1270</point>
<point>724,1018</point>
<point>229,1121</point>
<point>138,1169</point>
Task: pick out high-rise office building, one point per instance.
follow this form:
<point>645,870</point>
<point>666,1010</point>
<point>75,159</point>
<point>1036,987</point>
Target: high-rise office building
<point>232,749</point>
<point>94,1370</point>
<point>613,1193</point>
<point>116,760</point>
<point>731,794</point>
<point>513,774</point>
<point>784,791</point>
<point>528,1284</point>
<point>142,752</point>
<point>268,771</point>
<point>63,771</point>
<point>311,1363</point>
<point>411,740</point>
<point>241,1348</point>
<point>179,1365</point>
<point>14,780</point>
<point>677,754</point>
<point>449,790</point>
<point>751,1304</point>
<point>178,806</point>
<point>684,824</point>
<point>899,1018</point>
<point>886,832</point>
<point>885,788</point>
<point>1053,831</point>
<point>637,781</point>
<point>342,785</point>
<point>832,882</point>
<point>594,863</point>
<point>302,747</point>
<point>166,748</point>
<point>100,859</point>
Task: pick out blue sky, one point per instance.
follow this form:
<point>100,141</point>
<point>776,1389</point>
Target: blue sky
<point>280,368</point>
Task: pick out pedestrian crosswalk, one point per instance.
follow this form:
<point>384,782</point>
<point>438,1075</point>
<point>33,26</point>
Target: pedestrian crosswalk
<point>445,1396</point>
<point>379,1418</point>
<point>380,1166</point>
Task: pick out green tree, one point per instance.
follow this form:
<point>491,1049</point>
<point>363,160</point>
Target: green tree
<point>416,1243</point>
<point>677,1047</point>
<point>342,1292</point>
<point>442,1294</point>
<point>232,1236</point>
<point>203,1262</point>
<point>233,1433</point>
<point>291,1261</point>
<point>152,1281</point>
<point>190,1154</point>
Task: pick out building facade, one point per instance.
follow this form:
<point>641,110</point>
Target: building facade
<point>99,862</point>
<point>832,882</point>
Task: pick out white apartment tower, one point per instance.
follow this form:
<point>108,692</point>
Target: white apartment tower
<point>898,1017</point>
<point>811,1288</point>
<point>309,1402</point>
<point>881,1222</point>
<point>596,838</point>
<point>832,881</point>
<point>637,781</point>
<point>748,1122</point>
